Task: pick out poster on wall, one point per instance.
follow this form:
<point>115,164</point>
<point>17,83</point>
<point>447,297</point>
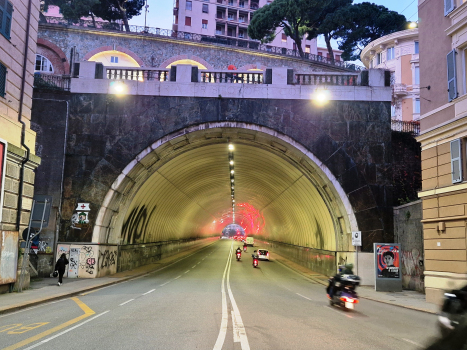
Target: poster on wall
<point>387,260</point>
<point>3,148</point>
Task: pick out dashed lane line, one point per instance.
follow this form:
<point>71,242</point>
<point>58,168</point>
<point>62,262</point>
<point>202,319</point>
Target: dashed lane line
<point>303,296</point>
<point>126,302</point>
<point>152,290</point>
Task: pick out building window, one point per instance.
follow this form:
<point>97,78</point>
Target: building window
<point>416,108</point>
<point>188,5</point>
<point>205,8</point>
<point>241,18</point>
<point>188,21</point>
<point>393,111</point>
<point>307,49</point>
<point>6,13</point>
<point>452,81</point>
<point>379,58</point>
<point>456,161</point>
<point>3,72</point>
<point>230,17</point>
<point>416,47</point>
<point>204,24</point>
<point>230,2</point>
<point>43,65</point>
<point>284,38</point>
<point>417,75</point>
<point>390,54</point>
<point>320,54</point>
<point>219,31</point>
<point>449,6</point>
<point>241,34</point>
<point>241,3</point>
<point>113,59</point>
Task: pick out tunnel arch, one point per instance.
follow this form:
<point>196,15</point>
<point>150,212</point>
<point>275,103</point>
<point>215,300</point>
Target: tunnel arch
<point>129,200</point>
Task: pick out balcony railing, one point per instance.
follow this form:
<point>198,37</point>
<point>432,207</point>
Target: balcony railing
<point>400,89</point>
<point>326,79</point>
<point>252,45</point>
<point>232,77</point>
<point>412,127</point>
<point>139,74</point>
<point>52,82</point>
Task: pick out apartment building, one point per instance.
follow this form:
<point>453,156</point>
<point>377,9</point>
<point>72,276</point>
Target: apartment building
<point>443,122</point>
<point>18,32</point>
<point>399,53</point>
<point>227,19</point>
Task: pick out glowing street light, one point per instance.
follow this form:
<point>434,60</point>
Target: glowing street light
<point>321,97</point>
<point>118,88</point>
<point>231,147</point>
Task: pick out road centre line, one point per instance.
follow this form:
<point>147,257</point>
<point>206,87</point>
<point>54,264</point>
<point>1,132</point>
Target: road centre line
<point>68,330</point>
<point>225,317</point>
<point>176,278</point>
<point>303,296</point>
<point>126,302</point>
<point>165,283</point>
<point>87,312</point>
<point>152,290</point>
<point>187,271</point>
<point>193,266</point>
<point>413,343</point>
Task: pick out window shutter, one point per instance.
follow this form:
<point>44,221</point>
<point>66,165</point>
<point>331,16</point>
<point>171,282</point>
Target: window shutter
<point>452,83</point>
<point>2,80</point>
<point>8,16</point>
<point>456,163</point>
<point>449,6</point>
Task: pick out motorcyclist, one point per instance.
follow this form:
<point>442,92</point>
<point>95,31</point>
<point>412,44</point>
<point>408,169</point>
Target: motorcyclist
<point>238,251</point>
<point>244,246</point>
<point>346,269</point>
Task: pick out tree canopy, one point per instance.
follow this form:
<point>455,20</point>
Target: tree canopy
<point>295,17</point>
<point>112,10</point>
<point>73,10</point>
<point>359,24</point>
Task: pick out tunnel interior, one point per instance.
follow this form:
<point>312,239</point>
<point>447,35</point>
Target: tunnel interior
<point>181,188</point>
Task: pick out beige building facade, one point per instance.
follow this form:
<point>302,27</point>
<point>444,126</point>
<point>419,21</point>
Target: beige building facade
<point>18,35</point>
<point>443,122</point>
<point>399,53</point>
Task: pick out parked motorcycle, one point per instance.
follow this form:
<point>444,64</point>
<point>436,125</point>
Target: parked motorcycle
<point>453,311</point>
<point>344,294</point>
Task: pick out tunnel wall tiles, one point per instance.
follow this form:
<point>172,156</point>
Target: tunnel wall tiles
<point>105,134</point>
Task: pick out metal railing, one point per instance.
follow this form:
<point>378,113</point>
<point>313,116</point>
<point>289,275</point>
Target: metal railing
<point>412,127</point>
<point>139,74</point>
<point>249,44</point>
<point>231,77</point>
<point>326,79</point>
<point>52,82</point>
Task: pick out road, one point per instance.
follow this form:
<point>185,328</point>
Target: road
<point>208,300</point>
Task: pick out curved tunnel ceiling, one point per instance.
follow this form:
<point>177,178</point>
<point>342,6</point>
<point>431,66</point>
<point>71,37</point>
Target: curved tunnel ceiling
<point>190,196</point>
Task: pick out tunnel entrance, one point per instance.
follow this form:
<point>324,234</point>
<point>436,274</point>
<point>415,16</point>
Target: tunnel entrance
<point>179,188</point>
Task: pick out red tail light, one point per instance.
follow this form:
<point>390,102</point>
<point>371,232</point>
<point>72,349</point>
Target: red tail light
<point>349,300</point>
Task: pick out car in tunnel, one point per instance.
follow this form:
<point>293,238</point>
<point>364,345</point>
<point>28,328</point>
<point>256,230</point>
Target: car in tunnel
<point>263,254</point>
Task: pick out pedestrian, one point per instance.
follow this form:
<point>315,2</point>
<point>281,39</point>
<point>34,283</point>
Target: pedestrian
<point>60,267</point>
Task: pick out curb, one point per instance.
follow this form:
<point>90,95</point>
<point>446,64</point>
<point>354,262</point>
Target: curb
<point>44,300</point>
<point>362,297</point>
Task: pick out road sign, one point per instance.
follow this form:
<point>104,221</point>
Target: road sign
<point>357,238</point>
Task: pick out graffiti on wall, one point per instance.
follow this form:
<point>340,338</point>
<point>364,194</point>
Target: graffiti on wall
<point>107,258</point>
<point>412,269</point>
<point>73,262</point>
<point>135,227</point>
<point>87,261</point>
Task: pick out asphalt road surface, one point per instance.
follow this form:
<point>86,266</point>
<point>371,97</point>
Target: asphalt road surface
<point>209,300</point>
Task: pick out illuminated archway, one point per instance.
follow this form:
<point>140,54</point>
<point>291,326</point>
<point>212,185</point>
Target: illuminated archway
<point>187,61</point>
<point>113,58</point>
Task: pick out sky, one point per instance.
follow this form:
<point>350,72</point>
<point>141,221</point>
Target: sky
<point>160,12</point>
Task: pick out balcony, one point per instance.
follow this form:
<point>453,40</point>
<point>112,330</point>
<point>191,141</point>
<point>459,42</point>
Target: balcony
<point>400,89</point>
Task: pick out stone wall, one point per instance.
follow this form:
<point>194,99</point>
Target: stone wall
<point>154,51</point>
<point>408,231</point>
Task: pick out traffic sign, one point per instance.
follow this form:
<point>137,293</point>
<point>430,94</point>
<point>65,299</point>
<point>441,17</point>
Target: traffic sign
<point>357,238</point>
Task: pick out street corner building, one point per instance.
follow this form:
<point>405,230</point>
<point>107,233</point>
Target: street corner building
<point>18,160</point>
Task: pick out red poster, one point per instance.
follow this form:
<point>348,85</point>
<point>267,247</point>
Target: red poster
<point>387,257</point>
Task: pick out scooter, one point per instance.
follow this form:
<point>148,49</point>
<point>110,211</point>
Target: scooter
<point>255,259</point>
<point>453,311</point>
<point>344,294</point>
<point>239,255</point>
<point>244,248</point>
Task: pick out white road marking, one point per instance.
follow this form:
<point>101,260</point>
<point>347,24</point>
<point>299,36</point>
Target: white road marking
<point>412,342</point>
<point>176,278</point>
<point>165,283</point>
<point>238,326</point>
<point>303,296</point>
<point>68,330</point>
<point>198,263</point>
<point>126,302</point>
<point>236,331</point>
<point>152,290</point>
<point>193,266</point>
<point>225,317</point>
<point>187,271</point>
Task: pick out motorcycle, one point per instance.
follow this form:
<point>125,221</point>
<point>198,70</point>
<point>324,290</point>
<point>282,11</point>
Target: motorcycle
<point>453,311</point>
<point>244,248</point>
<point>255,259</point>
<point>344,294</point>
<point>239,255</point>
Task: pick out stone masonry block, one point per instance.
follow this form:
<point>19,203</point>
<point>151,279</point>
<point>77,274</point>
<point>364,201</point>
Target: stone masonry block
<point>12,170</point>
<point>28,190</point>
<point>25,218</point>
<point>29,176</point>
<point>10,200</point>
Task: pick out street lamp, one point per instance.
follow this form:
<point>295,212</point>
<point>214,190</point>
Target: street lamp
<point>321,97</point>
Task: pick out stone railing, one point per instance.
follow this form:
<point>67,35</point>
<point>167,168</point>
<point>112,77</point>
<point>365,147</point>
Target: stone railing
<point>326,79</point>
<point>231,77</point>
<point>51,82</point>
<point>140,74</point>
<point>175,34</point>
<point>400,89</point>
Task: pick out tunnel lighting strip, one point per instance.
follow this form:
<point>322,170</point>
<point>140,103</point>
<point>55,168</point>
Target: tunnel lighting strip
<point>232,179</point>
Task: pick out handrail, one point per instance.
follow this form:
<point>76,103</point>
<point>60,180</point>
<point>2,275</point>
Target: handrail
<point>175,34</point>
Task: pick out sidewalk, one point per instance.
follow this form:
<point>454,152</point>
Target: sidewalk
<point>46,289</point>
